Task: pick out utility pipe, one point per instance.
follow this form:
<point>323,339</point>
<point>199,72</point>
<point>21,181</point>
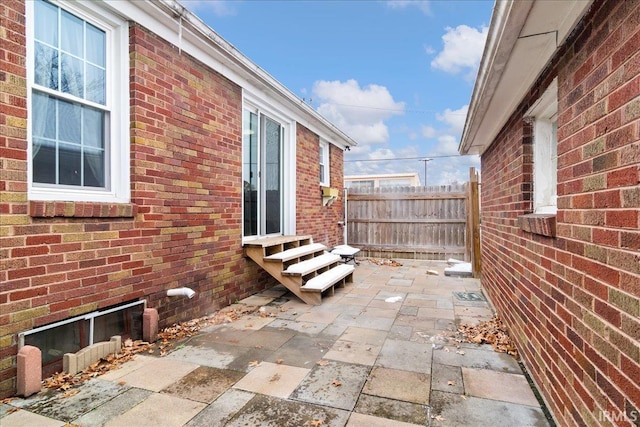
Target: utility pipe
<point>186,292</point>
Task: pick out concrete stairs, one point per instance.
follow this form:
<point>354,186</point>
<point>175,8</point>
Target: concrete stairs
<point>303,267</point>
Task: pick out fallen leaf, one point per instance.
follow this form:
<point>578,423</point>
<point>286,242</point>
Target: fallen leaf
<point>254,363</point>
<point>275,378</point>
<point>122,383</point>
<point>279,361</point>
<point>316,423</point>
<point>322,362</point>
<point>336,383</point>
<point>70,393</point>
<point>451,383</point>
<point>438,417</point>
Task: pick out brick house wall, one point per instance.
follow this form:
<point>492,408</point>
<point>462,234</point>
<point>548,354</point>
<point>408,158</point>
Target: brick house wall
<point>312,217</point>
<point>572,302</point>
<point>183,226</point>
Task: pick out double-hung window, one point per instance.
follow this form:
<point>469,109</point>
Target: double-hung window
<point>324,164</point>
<point>545,151</point>
<point>79,103</point>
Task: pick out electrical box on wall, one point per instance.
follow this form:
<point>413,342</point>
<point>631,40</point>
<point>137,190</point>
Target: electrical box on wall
<point>329,195</point>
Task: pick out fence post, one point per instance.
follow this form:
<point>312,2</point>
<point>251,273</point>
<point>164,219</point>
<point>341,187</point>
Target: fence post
<point>473,223</point>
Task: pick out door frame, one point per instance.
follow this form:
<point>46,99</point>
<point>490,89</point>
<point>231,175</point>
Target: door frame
<point>288,165</point>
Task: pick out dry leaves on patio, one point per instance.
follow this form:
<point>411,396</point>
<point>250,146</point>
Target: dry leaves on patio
<point>166,339</point>
<point>384,261</point>
<point>492,332</point>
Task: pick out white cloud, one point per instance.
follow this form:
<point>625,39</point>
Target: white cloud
<point>428,132</point>
<point>454,118</point>
<point>447,145</point>
<point>462,50</point>
<point>422,5</point>
<point>359,111</point>
<point>218,7</point>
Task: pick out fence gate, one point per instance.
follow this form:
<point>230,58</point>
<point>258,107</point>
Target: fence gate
<point>410,222</point>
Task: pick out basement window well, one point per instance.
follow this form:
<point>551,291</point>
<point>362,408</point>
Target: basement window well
<point>76,333</point>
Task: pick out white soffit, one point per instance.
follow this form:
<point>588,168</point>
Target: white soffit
<point>517,51</point>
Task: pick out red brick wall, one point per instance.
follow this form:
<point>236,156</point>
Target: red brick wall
<point>183,225</point>
<point>573,302</point>
<point>312,217</point>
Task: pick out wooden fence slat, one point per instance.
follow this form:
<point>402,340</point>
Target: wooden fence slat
<point>418,222</point>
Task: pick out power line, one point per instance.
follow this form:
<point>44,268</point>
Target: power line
<point>408,158</point>
<point>397,110</point>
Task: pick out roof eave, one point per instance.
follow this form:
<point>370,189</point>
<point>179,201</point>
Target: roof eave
<point>523,37</point>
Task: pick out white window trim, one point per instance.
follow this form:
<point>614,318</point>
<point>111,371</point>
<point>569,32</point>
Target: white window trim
<point>545,170</point>
<point>326,162</point>
<point>117,103</point>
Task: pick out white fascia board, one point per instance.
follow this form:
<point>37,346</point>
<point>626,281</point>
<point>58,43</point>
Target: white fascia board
<point>522,40</point>
<point>180,27</point>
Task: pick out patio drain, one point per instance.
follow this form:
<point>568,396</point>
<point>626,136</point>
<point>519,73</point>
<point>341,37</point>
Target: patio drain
<point>470,296</point>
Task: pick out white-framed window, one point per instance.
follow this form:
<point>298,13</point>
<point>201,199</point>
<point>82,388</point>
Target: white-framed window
<point>544,114</point>
<point>325,179</point>
<point>78,76</point>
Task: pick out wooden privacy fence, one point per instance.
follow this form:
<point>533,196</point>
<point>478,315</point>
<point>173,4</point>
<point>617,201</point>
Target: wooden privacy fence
<point>412,222</point>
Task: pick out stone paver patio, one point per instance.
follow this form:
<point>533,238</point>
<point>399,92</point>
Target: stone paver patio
<point>374,354</point>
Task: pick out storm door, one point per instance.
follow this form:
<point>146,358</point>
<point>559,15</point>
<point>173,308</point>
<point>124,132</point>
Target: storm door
<point>262,174</point>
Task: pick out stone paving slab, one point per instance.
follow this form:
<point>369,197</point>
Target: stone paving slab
<point>354,352</point>
<point>258,300</point>
<point>391,411</point>
<point>364,336</point>
<point>272,379</point>
<point>22,418</point>
<point>467,411</point>
<point>318,316</point>
<point>266,411</point>
<point>399,385</point>
<point>76,402</point>
<point>334,384</point>
<point>266,338</point>
<point>447,378</point>
<point>159,410</point>
<point>309,328</point>
<point>147,376</point>
<point>476,358</point>
<point>113,408</point>
<point>498,386</point>
<point>404,355</point>
<point>301,351</point>
<point>251,322</point>
<point>222,409</point>
<point>362,420</point>
<point>220,357</point>
<point>204,384</point>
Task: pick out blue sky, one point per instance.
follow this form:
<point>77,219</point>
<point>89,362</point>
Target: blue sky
<point>396,76</point>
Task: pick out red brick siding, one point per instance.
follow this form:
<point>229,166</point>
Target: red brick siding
<point>312,217</point>
<point>573,302</point>
<point>183,225</point>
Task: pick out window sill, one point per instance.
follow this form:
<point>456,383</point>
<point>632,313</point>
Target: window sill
<point>51,209</point>
<point>543,224</point>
